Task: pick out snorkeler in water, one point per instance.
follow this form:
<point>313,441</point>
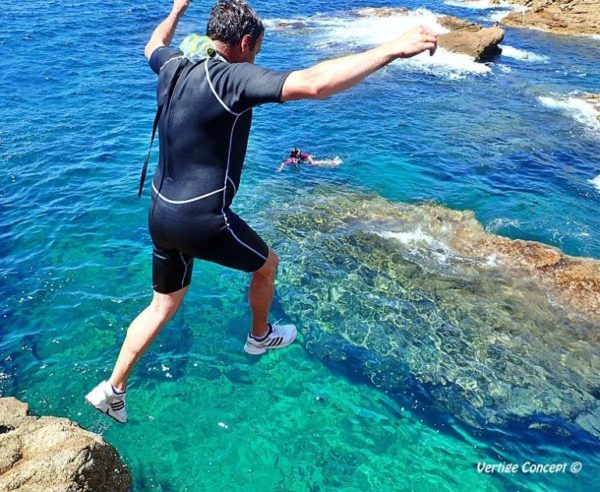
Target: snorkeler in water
<point>297,157</point>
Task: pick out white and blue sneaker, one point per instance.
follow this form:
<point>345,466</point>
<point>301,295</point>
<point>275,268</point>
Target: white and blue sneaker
<point>108,401</point>
<point>277,336</point>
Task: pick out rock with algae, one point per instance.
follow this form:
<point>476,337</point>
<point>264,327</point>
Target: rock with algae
<point>492,329</point>
<point>53,454</point>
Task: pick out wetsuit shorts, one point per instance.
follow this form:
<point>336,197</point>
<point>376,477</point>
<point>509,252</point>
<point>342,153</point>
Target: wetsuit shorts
<point>177,242</point>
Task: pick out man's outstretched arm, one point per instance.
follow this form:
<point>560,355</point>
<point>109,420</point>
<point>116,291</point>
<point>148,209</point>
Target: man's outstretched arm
<point>163,34</point>
<point>330,77</point>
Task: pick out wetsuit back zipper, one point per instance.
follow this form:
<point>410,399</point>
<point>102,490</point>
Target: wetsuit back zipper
<point>179,75</point>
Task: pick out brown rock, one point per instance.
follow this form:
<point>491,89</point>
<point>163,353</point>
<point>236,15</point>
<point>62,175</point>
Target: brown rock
<point>569,17</point>
<point>471,39</point>
<point>380,11</point>
<point>570,280</point>
<point>53,454</point>
<point>456,24</point>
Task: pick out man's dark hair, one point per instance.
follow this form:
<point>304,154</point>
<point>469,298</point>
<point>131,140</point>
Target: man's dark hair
<point>231,20</point>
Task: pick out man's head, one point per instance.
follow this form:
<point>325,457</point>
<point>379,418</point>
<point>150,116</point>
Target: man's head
<point>236,27</point>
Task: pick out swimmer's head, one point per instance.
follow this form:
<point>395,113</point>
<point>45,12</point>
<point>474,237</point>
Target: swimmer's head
<point>294,152</point>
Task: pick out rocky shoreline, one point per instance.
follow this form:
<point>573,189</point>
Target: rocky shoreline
<point>52,454</point>
<point>567,17</point>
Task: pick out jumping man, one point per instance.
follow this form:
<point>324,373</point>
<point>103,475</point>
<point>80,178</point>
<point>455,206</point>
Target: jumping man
<point>204,119</point>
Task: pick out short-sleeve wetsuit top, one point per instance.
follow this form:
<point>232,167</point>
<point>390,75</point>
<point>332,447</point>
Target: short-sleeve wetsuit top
<point>203,136</point>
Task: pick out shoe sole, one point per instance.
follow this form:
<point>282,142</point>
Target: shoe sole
<point>249,349</point>
<point>104,411</point>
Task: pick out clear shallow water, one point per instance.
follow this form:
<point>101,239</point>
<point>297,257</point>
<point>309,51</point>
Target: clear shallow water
<point>74,269</point>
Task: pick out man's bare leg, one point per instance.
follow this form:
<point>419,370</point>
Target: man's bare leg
<point>260,296</point>
<point>142,332</point>
<point>261,292</point>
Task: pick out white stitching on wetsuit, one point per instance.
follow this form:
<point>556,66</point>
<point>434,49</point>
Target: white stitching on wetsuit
<point>212,88</point>
<point>183,202</point>
<point>225,185</point>
<point>169,61</point>
<point>232,184</point>
<point>186,268</point>
<point>244,244</point>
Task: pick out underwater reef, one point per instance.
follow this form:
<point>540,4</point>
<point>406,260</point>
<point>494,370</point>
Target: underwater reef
<point>489,328</point>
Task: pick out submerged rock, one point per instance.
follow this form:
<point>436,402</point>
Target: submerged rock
<point>426,301</point>
<point>53,454</point>
<point>571,17</point>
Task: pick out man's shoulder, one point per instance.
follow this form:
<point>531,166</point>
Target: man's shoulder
<point>162,56</point>
<point>237,68</point>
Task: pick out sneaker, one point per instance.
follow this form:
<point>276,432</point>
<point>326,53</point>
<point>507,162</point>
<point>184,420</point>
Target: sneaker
<point>278,336</point>
<point>107,401</point>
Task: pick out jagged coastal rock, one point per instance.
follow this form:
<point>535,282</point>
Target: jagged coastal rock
<point>53,454</point>
<point>570,17</point>
<point>471,39</point>
<point>463,37</point>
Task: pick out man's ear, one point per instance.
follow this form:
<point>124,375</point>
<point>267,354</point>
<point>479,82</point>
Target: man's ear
<point>247,43</point>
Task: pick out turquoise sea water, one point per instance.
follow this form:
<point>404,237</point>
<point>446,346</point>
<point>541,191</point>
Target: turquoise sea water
<point>398,410</point>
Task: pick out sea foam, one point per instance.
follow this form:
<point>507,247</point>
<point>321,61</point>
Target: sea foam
<point>580,110</point>
<point>500,10</point>
<point>355,32</point>
<point>596,182</point>
<point>518,54</point>
<point>416,239</point>
<point>476,4</point>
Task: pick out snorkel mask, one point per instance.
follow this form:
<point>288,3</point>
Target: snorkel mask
<point>196,47</point>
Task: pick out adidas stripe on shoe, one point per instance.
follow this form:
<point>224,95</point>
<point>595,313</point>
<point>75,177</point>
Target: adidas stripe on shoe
<point>104,399</point>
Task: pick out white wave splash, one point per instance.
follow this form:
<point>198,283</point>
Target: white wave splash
<point>500,10</point>
<point>596,182</point>
<point>475,4</point>
<point>345,31</point>
<point>580,110</point>
<point>517,54</point>
<point>495,225</point>
<point>415,240</point>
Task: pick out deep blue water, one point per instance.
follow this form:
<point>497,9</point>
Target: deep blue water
<point>78,101</point>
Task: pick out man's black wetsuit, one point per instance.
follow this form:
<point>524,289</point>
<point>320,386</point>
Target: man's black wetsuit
<point>203,135</point>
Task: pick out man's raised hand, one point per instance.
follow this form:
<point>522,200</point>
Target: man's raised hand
<point>180,6</point>
<point>414,41</point>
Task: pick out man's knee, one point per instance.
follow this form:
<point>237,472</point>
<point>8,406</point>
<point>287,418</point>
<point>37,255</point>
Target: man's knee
<point>269,269</point>
<point>165,306</point>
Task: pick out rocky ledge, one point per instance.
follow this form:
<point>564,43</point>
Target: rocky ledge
<point>571,17</point>
<point>463,37</point>
<point>53,454</point>
<point>471,39</point>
